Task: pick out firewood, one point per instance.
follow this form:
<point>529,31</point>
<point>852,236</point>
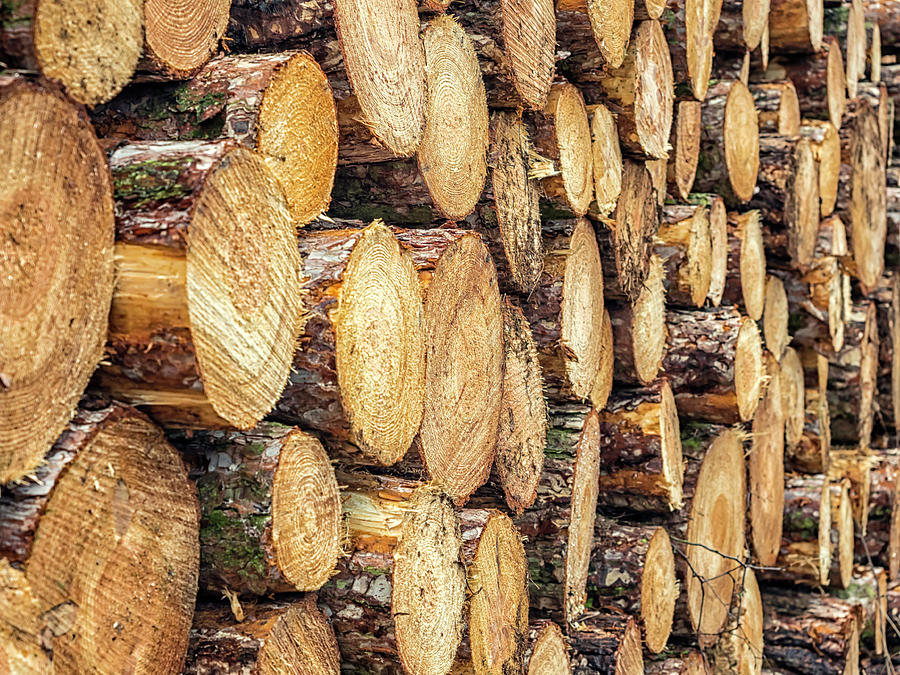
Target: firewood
<point>58,273</point>
<point>609,642</point>
<point>685,142</point>
<point>547,652</point>
<point>795,26</point>
<point>269,636</point>
<point>109,515</point>
<point>208,303</point>
<point>684,246</point>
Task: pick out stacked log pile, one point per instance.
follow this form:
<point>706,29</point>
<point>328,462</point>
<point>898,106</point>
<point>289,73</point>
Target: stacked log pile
<point>489,336</point>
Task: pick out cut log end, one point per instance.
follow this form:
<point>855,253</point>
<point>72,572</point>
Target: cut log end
<point>718,236</point>
<point>529,34</point>
<point>428,585</point>
<point>826,147</point>
<point>835,82</point>
<point>749,369</point>
<point>685,142</point>
<point>653,91</point>
<point>843,523</point>
<point>659,590</point>
<point>56,268</point>
<point>636,221</point>
<point>522,430</point>
<point>868,221</point>
<point>572,138</point>
<point>386,67</point>
<point>607,159</point>
<point>463,368</point>
<point>181,36</point>
<point>648,324</point>
<point>793,397</point>
<point>611,26</point>
<point>452,154</point>
<point>549,652</point>
<point>603,382</point>
<point>741,128</point>
<point>775,317</point>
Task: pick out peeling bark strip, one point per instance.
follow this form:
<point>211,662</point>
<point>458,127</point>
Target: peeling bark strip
<point>56,267</point>
<point>270,511</point>
<point>277,104</point>
<point>91,50</point>
<point>110,514</point>
<point>269,635</point>
<point>204,230</point>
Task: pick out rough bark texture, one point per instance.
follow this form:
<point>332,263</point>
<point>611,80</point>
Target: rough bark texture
<point>608,642</point>
<point>881,542</point>
<point>778,108</point>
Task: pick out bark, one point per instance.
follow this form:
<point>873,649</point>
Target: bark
<point>112,504</point>
<point>881,542</point>
<point>685,153</point>
<point>683,245</point>
<point>633,569</point>
<point>261,493</point>
<point>811,633</point>
<point>190,356</point>
<point>826,147</point>
<point>690,662</point>
<point>745,276</point>
<point>609,642</point>
<point>795,26</point>
<point>267,636</point>
<point>778,108</point>
<point>729,143</point>
<point>640,449</point>
<point>689,32</point>
<point>740,647</point>
<point>714,364</point>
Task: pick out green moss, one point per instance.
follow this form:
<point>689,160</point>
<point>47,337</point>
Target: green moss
<point>9,14</point>
<point>835,19</point>
<point>700,198</point>
<point>799,523</point>
<point>255,449</point>
<point>187,101</point>
<point>559,443</point>
<point>152,181</point>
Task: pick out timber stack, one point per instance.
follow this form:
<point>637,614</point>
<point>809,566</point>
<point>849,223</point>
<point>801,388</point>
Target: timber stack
<point>510,337</point>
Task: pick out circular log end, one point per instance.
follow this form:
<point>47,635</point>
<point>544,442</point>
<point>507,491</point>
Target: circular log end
<point>700,20</point>
<point>516,200</point>
<point>686,142</point>
<point>844,527</point>
<point>804,218</point>
<point>380,346</point>
<point>815,11</point>
<point>755,15</point>
<point>522,430</point>
<point>91,48</point>
<point>498,604</point>
<point>766,469</point>
<point>716,525</point>
<point>654,93</point>
<point>298,135</point>
<point>56,268</point>
<point>243,292</point>
<point>385,62</point>
<point>429,585</point>
<point>629,655</point>
<point>659,590</point>
<point>741,132</point>
<point>835,82</point>
<point>670,447</point>
<point>775,317</point>
<point>607,159</point>
<point>868,220</point>
<point>550,653</point>
<point>752,263</point>
<point>573,143</point>
<point>306,513</point>
<point>181,35</point>
<point>855,41</point>
<point>452,155</point>
<point>648,324</point>
<point>582,309</point>
<point>529,36</point>
<point>749,369</point>
<point>699,257</point>
<point>718,236</point>
<point>636,222</point>
<point>304,638</point>
<point>603,382</point>
<point>611,26</point>
<point>585,487</point>
<point>121,524</point>
<point>789,110</point>
<point>463,368</point>
<point>792,397</point>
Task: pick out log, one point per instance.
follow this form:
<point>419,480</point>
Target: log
<point>268,636</point>
<point>684,246</point>
<point>787,194</point>
<point>547,652</point>
<point>793,397</point>
<point>689,662</point>
<point>877,96</point>
<point>729,143</point>
<point>91,54</point>
<point>607,159</point>
<point>741,25</point>
<point>270,511</point>
<point>208,304</point>
<point>638,91</point>
<point>873,57</point>
<point>888,384</point>
<point>811,633</point>
<point>463,358</point>
<point>685,153</point>
<point>745,278</point>
<point>775,317</point>
<point>639,331</point>
<point>869,591</point>
<point>812,452</point>
<point>689,28</point>
<point>740,647</point>
<point>719,246</point>
<point>848,24</point>
<point>640,448</point>
<point>633,569</point>
<point>179,38</point>
<point>522,427</point>
<point>58,274</point>
<point>607,643</point>
<point>778,108</point>
<point>818,78</point>
<point>566,310</point>
<point>765,469</point>
<point>855,466</point>
<point>277,104</point>
<point>826,148</point>
<point>714,362</point>
<point>842,533</point>
<point>603,383</point>
<point>562,139</point>
<point>881,543</point>
<point>601,30</point>
<point>397,600</point>
<point>560,527</point>
<point>626,239</point>
<point>359,372</point>
<point>796,26</point>
<point>110,514</point>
